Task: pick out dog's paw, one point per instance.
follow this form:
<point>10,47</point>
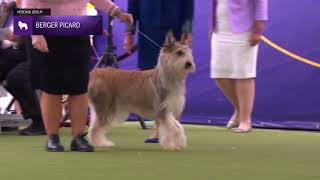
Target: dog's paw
<point>171,147</point>
<point>181,142</point>
<point>173,140</point>
<point>105,144</point>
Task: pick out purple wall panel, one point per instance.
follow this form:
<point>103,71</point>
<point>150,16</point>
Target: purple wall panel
<point>287,90</point>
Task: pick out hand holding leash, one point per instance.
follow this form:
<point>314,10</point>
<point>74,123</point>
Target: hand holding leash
<point>128,42</point>
<point>257,32</point>
<point>255,39</point>
<point>40,43</point>
<point>126,18</point>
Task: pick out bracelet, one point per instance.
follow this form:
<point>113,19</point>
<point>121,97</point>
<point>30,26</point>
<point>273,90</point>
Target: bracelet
<point>114,11</point>
<point>111,9</point>
<point>118,12</point>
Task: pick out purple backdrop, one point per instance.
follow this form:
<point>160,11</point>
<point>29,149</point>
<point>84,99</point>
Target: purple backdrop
<point>287,90</point>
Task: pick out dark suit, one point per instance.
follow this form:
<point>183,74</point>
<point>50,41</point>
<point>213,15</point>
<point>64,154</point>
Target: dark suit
<point>155,18</point>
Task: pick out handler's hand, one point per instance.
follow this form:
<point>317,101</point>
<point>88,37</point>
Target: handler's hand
<point>126,18</point>
<point>40,43</point>
<point>254,39</point>
<point>210,35</point>
<point>128,42</point>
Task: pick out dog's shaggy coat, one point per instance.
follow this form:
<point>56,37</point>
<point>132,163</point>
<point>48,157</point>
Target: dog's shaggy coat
<point>158,94</point>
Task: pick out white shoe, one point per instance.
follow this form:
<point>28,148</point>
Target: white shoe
<point>232,124</point>
<point>238,130</point>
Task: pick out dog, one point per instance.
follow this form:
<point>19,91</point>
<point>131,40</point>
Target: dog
<point>158,94</point>
<point>23,25</point>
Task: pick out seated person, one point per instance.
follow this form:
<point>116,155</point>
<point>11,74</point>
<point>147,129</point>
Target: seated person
<point>15,70</point>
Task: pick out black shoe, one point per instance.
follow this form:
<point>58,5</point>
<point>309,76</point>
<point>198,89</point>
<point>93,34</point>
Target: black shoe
<point>32,131</point>
<point>80,144</point>
<point>53,144</point>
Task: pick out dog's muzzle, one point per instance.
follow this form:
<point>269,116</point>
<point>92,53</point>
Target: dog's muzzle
<point>188,65</point>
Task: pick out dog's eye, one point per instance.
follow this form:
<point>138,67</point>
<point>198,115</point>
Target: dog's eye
<point>180,53</point>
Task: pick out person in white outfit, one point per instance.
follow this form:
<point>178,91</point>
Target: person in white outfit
<point>236,31</point>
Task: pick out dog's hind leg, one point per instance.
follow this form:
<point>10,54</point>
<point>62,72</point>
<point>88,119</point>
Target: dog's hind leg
<point>100,126</point>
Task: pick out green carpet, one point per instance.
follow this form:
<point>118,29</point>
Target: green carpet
<point>213,154</point>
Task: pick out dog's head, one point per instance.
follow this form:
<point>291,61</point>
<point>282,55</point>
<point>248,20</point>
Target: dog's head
<point>176,56</point>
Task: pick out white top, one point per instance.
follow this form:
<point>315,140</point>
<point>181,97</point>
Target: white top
<point>232,55</point>
<point>224,33</point>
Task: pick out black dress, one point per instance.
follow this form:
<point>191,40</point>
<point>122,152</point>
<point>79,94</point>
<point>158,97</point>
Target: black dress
<point>65,69</point>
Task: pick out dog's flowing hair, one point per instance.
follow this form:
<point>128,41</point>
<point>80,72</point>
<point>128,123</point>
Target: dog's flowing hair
<point>158,94</point>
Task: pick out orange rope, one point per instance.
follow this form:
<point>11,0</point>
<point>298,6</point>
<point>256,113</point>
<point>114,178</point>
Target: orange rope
<point>288,53</point>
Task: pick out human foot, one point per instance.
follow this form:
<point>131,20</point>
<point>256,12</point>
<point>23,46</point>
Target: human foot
<point>233,122</point>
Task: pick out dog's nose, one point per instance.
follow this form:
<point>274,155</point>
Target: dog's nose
<point>188,65</point>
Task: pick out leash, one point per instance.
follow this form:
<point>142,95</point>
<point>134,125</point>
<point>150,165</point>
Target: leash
<point>147,37</point>
<point>113,55</point>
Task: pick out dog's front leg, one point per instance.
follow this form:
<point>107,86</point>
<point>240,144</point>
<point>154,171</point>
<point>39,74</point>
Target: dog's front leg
<point>172,135</point>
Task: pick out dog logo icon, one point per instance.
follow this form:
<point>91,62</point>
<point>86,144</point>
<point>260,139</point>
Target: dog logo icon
<point>23,25</point>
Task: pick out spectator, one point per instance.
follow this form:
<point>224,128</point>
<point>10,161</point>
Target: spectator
<point>237,27</point>
<point>60,66</point>
<point>15,70</point>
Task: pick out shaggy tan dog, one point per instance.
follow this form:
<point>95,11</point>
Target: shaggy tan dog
<point>158,94</point>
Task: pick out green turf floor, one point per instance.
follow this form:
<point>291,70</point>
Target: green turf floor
<point>213,154</point>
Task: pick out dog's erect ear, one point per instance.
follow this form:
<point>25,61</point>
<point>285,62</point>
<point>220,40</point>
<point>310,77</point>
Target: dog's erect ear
<point>170,40</point>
